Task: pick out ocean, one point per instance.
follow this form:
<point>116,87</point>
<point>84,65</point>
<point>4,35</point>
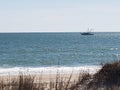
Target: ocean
<point>51,52</point>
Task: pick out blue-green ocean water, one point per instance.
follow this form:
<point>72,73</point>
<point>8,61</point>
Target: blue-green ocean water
<point>57,49</point>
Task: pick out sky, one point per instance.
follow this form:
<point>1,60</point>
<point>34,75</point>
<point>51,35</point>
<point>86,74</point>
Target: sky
<point>59,15</point>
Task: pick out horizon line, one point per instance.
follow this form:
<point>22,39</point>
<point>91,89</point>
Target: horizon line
<point>62,32</point>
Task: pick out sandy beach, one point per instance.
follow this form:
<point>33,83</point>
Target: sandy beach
<point>43,77</point>
<point>73,81</point>
<point>45,81</point>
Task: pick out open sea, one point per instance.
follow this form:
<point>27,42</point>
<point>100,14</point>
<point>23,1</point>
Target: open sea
<point>51,52</point>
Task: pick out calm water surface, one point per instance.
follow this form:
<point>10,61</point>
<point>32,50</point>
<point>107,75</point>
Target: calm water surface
<point>52,49</point>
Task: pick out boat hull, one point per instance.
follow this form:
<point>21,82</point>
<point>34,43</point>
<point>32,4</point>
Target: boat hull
<point>87,34</point>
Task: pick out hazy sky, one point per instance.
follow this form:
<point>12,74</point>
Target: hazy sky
<point>59,15</point>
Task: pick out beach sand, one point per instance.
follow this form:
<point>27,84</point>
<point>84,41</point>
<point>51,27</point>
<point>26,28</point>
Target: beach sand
<point>42,77</point>
<point>45,80</point>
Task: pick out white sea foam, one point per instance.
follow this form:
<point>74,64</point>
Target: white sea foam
<point>113,48</point>
<point>48,70</point>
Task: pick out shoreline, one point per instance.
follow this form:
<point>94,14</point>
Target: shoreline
<point>81,81</point>
<point>48,70</point>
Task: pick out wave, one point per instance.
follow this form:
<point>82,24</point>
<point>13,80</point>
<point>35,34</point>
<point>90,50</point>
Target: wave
<point>48,70</point>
